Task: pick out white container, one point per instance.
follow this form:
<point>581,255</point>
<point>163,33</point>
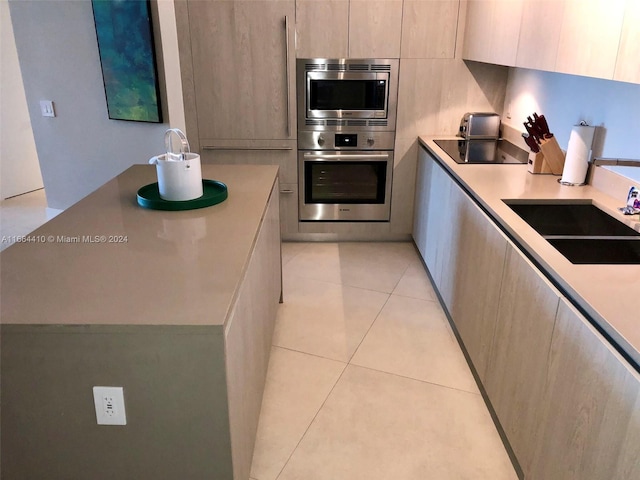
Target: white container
<point>179,174</point>
<point>179,180</point>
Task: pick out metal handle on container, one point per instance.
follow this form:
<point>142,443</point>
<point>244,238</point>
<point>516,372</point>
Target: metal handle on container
<point>286,79</point>
<point>287,191</point>
<point>184,143</point>
<point>346,156</point>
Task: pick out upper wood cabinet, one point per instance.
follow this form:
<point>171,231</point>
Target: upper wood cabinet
<point>594,38</point>
<point>628,61</point>
<point>540,34</point>
<point>589,37</point>
<point>374,28</point>
<point>429,28</point>
<point>491,33</point>
<point>243,68</point>
<point>322,28</point>
<point>348,28</point>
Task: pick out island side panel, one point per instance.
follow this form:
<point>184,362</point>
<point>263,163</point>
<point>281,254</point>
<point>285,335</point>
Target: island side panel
<point>248,338</point>
<point>174,393</point>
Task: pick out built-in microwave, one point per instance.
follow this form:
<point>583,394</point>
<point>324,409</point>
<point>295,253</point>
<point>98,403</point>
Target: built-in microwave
<point>352,93</point>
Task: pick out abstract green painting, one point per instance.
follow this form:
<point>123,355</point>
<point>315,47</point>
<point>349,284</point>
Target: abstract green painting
<point>127,55</point>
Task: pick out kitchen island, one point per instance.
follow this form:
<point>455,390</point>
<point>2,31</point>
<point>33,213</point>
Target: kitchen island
<point>553,345</point>
<point>176,307</point>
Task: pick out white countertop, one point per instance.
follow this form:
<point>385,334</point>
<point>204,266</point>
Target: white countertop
<point>609,294</point>
<point>154,268</point>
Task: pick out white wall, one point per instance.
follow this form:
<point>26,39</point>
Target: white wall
<point>565,100</point>
<point>19,169</point>
<point>81,148</point>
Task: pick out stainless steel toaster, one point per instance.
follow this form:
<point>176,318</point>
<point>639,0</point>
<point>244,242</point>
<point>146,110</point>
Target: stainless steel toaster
<point>480,125</point>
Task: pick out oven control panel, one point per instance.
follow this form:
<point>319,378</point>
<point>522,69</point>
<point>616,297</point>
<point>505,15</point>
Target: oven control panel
<point>345,141</point>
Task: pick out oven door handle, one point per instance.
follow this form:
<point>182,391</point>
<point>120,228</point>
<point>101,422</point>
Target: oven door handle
<point>346,156</point>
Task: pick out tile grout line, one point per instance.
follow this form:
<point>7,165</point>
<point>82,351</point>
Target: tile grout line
<point>339,377</point>
<point>416,380</point>
<point>312,420</point>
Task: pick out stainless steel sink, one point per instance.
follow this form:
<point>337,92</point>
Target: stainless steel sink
<point>582,232</point>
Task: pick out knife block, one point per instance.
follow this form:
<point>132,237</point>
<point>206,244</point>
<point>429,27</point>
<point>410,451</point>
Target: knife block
<point>553,155</point>
<point>537,163</point>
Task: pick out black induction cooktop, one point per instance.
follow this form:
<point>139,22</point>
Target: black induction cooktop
<point>483,151</point>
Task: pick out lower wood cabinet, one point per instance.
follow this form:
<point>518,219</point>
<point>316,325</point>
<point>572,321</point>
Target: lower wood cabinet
<point>517,367</point>
<point>567,401</point>
<point>590,412</point>
<point>263,152</point>
<point>477,280</point>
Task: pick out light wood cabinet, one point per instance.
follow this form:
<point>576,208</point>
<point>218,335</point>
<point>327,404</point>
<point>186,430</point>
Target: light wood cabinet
<point>567,401</point>
<point>288,210</point>
<point>322,28</point>
<point>432,214</point>
<point>348,28</point>
<point>492,29</point>
<point>591,407</point>
<point>627,62</point>
<point>375,28</point>
<point>242,63</point>
<point>262,152</point>
<point>429,28</point>
<point>589,37</point>
<point>594,38</point>
<point>476,281</point>
<point>516,370</point>
<point>465,257</point>
<point>540,34</point>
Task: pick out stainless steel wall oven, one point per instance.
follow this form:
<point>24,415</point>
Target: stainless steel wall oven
<point>346,134</point>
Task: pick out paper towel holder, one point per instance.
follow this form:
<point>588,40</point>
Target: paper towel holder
<point>589,156</point>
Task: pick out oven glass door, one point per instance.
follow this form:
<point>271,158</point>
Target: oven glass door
<point>345,186</point>
<point>345,182</point>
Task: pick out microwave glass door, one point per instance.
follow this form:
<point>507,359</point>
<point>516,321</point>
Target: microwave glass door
<point>345,182</point>
<point>337,94</point>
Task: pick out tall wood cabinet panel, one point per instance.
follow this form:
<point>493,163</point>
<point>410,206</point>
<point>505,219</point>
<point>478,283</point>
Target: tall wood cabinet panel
<point>429,28</point>
<point>589,37</point>
<point>491,33</point>
<point>516,371</point>
<point>628,63</point>
<point>375,28</point>
<point>322,28</point>
<point>478,269</point>
<point>437,219</point>
<point>540,34</point>
<point>591,423</point>
<point>424,173</point>
<point>243,68</point>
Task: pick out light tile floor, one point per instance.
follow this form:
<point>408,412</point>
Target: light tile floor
<point>22,214</point>
<point>366,379</point>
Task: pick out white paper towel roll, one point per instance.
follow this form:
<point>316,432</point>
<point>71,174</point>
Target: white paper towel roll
<point>578,152</point>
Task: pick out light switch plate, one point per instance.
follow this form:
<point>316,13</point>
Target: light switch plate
<point>46,107</point>
<point>109,403</point>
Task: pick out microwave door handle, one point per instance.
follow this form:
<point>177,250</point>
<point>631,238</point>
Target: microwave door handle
<point>286,73</point>
<point>346,156</point>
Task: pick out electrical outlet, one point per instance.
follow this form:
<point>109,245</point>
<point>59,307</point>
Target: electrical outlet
<point>109,403</point>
